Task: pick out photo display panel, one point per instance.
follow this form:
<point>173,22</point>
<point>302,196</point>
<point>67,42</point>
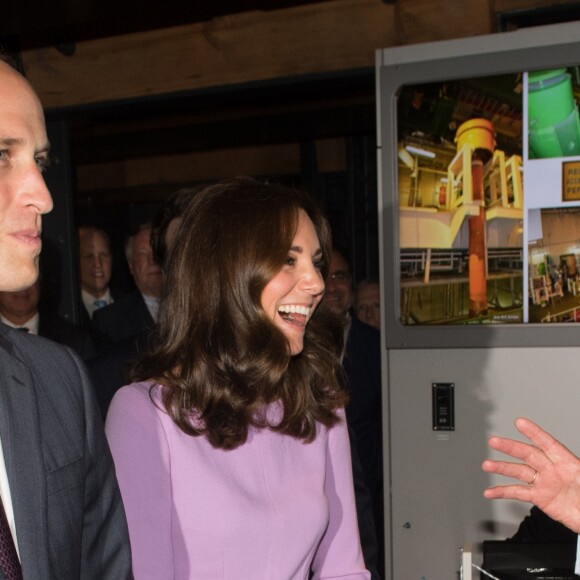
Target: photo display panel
<point>488,194</point>
<point>478,146</point>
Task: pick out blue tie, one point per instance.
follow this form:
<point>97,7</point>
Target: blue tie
<point>99,304</point>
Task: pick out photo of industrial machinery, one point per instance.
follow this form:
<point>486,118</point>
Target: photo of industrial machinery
<point>461,202</point>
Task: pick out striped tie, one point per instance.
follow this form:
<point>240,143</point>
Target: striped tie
<point>9,561</point>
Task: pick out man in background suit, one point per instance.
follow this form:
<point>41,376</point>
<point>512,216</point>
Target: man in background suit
<point>61,506</point>
<point>21,310</point>
<point>135,312</point>
<point>109,369</point>
<point>362,365</point>
<point>362,369</point>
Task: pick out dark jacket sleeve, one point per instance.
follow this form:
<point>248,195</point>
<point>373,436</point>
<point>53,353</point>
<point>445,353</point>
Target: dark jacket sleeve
<point>538,527</point>
<point>364,512</point>
<point>106,552</point>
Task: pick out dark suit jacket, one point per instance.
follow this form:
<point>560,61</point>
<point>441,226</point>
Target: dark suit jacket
<point>125,317</point>
<point>365,514</point>
<point>109,368</point>
<point>362,366</point>
<point>70,521</point>
<point>539,527</point>
<point>86,322</point>
<point>55,328</point>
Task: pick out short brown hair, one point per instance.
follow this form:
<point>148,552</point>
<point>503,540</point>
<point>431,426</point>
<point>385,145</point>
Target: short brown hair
<point>217,352</point>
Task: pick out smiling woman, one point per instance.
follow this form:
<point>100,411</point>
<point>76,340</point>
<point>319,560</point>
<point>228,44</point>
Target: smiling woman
<point>243,250</point>
<point>243,373</point>
<point>292,295</point>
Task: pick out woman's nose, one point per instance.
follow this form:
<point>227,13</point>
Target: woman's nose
<point>313,281</point>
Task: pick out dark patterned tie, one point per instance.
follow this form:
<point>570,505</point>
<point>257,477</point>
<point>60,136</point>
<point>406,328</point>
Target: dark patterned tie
<point>9,561</point>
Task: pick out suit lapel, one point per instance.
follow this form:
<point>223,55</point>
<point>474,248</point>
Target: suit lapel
<point>22,446</point>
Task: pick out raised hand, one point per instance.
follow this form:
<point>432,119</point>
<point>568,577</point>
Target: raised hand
<point>549,473</point>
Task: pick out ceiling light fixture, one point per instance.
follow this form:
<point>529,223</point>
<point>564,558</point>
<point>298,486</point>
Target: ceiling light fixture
<point>420,152</point>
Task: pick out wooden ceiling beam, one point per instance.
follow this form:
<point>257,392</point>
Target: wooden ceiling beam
<point>312,39</point>
<point>318,38</point>
<point>33,25</point>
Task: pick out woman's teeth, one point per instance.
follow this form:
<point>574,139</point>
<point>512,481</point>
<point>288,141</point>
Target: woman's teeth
<point>294,309</point>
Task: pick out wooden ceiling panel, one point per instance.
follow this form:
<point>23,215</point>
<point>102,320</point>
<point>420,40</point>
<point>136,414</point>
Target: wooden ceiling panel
<point>28,24</point>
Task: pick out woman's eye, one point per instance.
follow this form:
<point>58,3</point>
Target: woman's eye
<point>290,261</point>
<point>319,264</point>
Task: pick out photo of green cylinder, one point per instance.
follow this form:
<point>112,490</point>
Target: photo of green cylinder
<point>553,121</point>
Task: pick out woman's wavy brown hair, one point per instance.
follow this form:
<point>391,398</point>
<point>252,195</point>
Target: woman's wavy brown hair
<point>217,352</point>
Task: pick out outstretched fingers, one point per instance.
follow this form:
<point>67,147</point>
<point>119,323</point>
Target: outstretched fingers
<point>523,491</point>
<point>550,446</point>
<point>534,457</point>
<point>519,492</point>
<point>521,471</point>
<point>548,473</point>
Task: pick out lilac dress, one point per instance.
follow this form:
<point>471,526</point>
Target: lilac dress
<point>272,509</point>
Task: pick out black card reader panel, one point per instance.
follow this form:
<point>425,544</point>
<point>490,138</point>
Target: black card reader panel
<point>443,406</point>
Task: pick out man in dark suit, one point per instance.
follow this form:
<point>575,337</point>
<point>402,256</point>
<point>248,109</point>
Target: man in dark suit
<point>362,373</point>
<point>109,369</point>
<point>135,312</point>
<point>362,365</point>
<point>21,310</point>
<point>61,516</point>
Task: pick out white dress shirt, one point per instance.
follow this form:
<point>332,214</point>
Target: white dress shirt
<point>31,325</point>
<point>152,305</point>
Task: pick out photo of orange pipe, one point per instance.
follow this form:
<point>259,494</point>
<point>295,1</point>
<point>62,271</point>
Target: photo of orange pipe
<point>477,248</point>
